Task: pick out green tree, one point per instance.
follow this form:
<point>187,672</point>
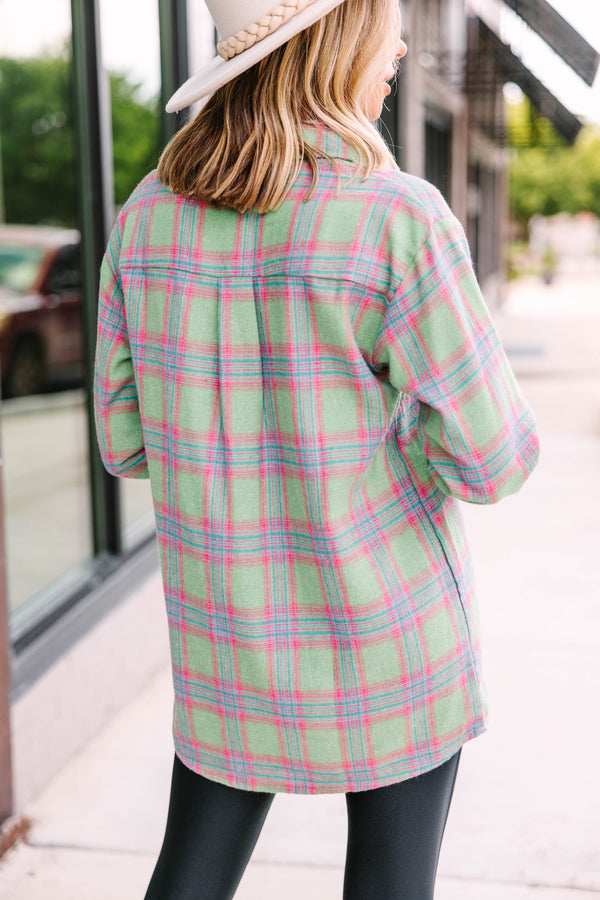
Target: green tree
<point>136,135</point>
<point>36,133</point>
<point>548,176</point>
<point>527,128</point>
<point>37,138</point>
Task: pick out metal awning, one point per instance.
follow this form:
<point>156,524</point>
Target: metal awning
<point>559,35</point>
<point>512,68</point>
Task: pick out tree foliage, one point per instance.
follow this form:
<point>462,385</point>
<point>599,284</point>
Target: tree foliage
<point>37,139</point>
<point>136,135</point>
<point>548,176</point>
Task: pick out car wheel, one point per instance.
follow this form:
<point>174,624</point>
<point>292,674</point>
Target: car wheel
<point>26,370</point>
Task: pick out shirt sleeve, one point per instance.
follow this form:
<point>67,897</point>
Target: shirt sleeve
<point>475,430</point>
<point>116,404</point>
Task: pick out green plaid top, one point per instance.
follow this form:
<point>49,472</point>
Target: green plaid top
<point>311,391</point>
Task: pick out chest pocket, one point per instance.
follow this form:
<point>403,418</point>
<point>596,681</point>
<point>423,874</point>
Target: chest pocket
<point>240,363</point>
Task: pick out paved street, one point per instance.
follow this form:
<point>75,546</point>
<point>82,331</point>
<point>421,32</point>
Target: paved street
<point>524,820</point>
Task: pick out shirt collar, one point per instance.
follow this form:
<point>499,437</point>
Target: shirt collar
<point>323,138</point>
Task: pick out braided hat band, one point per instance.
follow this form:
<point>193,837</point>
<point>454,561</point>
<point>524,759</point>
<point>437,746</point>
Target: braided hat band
<point>251,34</point>
<point>249,43</point>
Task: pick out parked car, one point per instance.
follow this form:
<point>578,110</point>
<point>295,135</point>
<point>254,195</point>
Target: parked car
<point>40,308</point>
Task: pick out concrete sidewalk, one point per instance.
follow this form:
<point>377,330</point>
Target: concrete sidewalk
<point>524,820</point>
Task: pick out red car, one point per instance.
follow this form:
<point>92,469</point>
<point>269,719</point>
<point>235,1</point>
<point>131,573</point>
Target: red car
<point>40,308</point>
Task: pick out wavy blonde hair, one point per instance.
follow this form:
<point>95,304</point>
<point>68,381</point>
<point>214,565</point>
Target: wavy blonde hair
<point>245,147</point>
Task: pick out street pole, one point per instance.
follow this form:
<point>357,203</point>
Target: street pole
<point>96,214</point>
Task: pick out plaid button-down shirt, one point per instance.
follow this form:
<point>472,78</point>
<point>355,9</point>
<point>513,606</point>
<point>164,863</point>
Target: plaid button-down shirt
<point>311,391</point>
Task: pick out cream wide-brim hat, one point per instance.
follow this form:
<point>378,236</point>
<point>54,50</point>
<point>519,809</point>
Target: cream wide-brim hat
<point>248,30</point>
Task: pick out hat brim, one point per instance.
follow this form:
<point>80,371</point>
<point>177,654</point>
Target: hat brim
<point>219,71</point>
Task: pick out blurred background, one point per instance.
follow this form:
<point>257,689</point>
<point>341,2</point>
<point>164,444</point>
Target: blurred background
<point>498,104</point>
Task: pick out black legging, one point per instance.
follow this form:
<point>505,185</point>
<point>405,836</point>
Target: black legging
<point>394,837</point>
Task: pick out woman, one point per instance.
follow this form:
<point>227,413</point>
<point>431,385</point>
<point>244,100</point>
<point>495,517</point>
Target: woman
<point>293,347</point>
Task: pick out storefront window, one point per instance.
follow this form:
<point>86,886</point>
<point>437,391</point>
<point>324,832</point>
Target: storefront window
<point>44,418</point>
<point>134,92</point>
<point>53,540</point>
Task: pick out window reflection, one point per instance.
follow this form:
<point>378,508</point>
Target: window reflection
<point>44,439</point>
<point>134,92</point>
<point>19,265</point>
<point>40,308</point>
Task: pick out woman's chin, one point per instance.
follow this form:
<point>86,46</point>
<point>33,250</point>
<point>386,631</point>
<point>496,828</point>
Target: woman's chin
<point>377,113</point>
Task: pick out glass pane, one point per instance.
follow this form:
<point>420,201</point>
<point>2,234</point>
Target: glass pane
<point>44,436</point>
<point>201,32</point>
<point>134,89</point>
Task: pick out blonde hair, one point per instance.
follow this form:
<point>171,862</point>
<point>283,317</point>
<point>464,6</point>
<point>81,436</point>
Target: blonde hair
<point>245,147</point>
